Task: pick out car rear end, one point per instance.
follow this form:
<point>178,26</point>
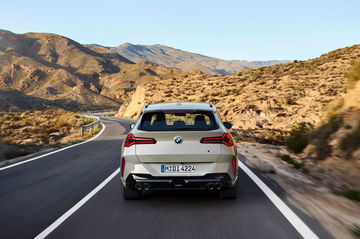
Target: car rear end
<point>178,148</point>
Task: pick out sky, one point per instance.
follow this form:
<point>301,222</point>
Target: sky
<point>227,29</point>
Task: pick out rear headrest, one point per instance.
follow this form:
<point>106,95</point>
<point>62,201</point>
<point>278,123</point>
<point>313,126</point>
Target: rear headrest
<point>179,123</point>
<point>200,118</point>
<point>160,117</point>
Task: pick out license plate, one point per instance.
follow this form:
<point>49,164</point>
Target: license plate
<point>173,168</point>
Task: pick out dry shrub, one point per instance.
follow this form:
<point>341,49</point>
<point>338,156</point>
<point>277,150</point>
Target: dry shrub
<point>354,74</point>
<point>321,136</point>
<point>351,142</point>
<point>298,138</point>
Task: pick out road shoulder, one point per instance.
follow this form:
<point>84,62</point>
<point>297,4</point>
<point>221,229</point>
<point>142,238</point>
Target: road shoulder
<point>335,213</point>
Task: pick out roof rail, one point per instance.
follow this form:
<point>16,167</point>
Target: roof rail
<point>146,106</point>
<point>210,105</point>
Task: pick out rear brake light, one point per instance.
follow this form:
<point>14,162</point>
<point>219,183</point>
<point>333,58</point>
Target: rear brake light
<point>131,140</point>
<point>224,139</point>
<point>234,165</point>
<point>122,166</point>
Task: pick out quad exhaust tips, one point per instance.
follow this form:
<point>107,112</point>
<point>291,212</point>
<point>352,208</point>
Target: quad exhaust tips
<point>212,186</point>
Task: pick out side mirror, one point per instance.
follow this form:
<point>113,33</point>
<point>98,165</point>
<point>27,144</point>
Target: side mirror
<point>132,126</point>
<point>227,125</point>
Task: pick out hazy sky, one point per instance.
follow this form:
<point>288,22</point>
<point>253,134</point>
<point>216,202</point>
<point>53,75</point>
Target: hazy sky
<point>249,30</point>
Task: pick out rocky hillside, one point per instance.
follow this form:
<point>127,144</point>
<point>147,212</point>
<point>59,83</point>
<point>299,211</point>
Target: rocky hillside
<point>185,61</point>
<point>264,102</point>
<point>338,137</point>
<point>56,71</point>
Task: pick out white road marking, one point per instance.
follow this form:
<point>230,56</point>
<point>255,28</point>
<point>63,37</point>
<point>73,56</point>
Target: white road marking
<point>56,151</point>
<point>297,223</point>
<point>72,210</point>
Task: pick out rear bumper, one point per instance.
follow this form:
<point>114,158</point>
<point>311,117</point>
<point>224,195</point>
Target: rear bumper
<point>195,182</point>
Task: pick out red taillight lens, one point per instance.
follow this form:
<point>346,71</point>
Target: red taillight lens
<point>122,166</point>
<point>224,139</point>
<point>131,140</point>
<point>234,165</point>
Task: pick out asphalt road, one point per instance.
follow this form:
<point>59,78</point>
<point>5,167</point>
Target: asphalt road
<point>35,194</point>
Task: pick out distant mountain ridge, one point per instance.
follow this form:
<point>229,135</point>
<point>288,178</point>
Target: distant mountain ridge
<point>185,61</point>
<point>45,70</point>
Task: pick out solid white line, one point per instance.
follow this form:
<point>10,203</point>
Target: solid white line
<point>56,151</point>
<point>297,223</point>
<point>67,214</point>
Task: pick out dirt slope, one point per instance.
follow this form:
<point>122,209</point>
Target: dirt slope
<point>263,102</point>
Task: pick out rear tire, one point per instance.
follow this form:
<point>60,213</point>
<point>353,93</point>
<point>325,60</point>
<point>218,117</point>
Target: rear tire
<point>131,194</point>
<point>228,193</point>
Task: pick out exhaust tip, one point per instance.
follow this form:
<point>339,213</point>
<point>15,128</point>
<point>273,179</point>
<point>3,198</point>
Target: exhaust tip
<point>138,186</point>
<point>210,186</point>
<point>218,186</point>
<point>146,186</point>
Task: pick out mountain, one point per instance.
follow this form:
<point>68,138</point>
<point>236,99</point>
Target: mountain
<point>185,61</point>
<point>56,71</point>
<point>262,103</point>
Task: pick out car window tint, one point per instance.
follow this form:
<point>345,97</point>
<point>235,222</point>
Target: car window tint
<point>174,121</point>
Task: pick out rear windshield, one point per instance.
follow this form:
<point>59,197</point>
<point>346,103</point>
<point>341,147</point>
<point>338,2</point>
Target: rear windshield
<point>175,121</point>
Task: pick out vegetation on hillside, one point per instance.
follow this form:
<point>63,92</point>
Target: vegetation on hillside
<point>331,151</point>
<point>263,104</point>
<point>342,123</point>
<point>29,131</point>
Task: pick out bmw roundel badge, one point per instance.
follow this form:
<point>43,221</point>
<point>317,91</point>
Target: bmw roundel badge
<point>178,140</point>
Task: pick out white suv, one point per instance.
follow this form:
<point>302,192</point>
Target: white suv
<point>179,146</point>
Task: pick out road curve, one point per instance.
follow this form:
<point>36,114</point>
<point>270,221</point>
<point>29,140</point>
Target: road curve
<point>35,194</point>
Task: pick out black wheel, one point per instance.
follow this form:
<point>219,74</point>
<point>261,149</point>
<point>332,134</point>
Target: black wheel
<point>228,193</point>
<point>131,194</point>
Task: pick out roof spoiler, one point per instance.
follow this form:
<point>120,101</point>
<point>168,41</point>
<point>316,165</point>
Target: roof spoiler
<point>144,107</point>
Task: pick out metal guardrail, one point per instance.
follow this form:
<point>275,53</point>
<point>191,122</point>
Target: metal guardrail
<point>104,114</point>
<point>90,126</point>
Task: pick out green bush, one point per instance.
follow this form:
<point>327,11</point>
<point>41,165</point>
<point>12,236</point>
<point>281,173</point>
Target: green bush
<point>272,171</point>
<point>298,138</point>
<point>355,229</point>
<point>287,158</point>
<point>352,194</point>
<point>298,165</point>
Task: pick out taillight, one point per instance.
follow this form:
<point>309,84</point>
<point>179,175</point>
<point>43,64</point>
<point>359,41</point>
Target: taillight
<point>224,139</point>
<point>122,166</point>
<point>131,140</point>
<point>234,165</point>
